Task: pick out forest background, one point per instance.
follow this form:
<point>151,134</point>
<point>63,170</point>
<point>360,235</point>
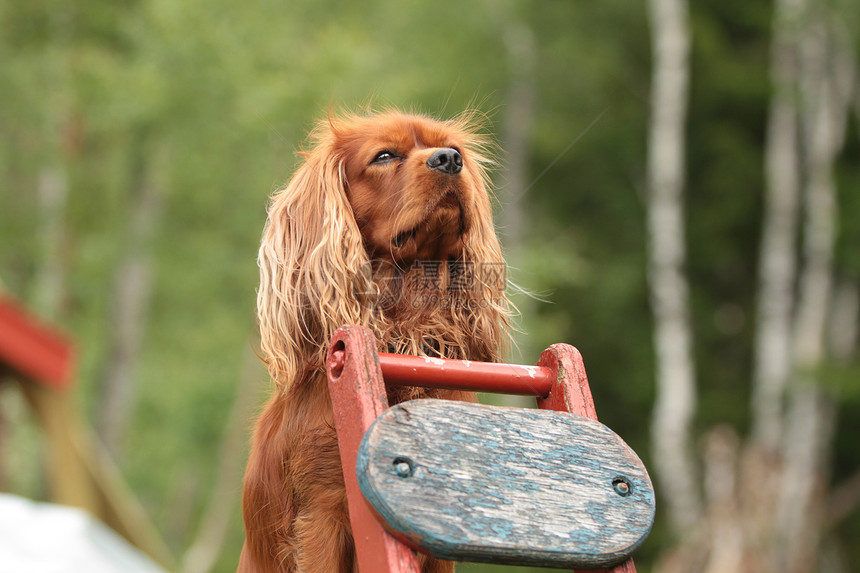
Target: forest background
<point>678,186</point>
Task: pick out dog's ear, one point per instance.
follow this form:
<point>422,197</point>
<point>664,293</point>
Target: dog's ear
<point>314,271</point>
<point>267,503</point>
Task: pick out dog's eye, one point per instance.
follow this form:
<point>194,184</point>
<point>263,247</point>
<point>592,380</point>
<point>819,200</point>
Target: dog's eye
<point>385,157</point>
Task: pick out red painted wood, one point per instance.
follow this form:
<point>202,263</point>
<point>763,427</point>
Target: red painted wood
<point>357,387</point>
<point>33,350</point>
<point>358,397</point>
<point>570,392</point>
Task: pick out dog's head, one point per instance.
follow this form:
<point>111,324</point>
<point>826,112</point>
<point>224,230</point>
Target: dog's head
<point>377,197</point>
<point>415,186</point>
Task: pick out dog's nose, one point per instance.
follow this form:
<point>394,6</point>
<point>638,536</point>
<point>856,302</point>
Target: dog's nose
<point>447,161</point>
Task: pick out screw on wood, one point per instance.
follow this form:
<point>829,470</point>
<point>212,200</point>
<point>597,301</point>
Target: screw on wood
<point>403,467</point>
<point>621,486</point>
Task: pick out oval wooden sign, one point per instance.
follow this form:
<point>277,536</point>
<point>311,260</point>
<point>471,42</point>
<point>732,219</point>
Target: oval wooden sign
<point>469,482</point>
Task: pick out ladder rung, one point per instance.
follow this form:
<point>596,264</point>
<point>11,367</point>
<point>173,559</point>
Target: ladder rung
<point>402,370</point>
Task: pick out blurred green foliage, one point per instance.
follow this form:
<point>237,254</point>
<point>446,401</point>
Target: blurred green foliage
<point>211,99</point>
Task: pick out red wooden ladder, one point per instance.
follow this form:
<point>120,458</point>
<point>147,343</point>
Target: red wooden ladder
<point>357,377</point>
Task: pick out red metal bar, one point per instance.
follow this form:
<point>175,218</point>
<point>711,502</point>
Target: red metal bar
<point>402,370</point>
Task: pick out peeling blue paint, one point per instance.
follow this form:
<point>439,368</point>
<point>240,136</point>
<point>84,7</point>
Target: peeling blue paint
<point>506,485</point>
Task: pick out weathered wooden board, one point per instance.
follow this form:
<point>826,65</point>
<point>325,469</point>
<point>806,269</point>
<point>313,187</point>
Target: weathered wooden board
<point>505,485</point>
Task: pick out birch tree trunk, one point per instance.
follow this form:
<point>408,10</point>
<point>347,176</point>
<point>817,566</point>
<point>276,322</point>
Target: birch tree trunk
<point>777,268</point>
<point>675,377</point>
<point>842,327</point>
<point>49,285</point>
<point>131,295</point>
<point>725,539</point>
<point>826,79</point>
<point>52,187</point>
<point>519,120</point>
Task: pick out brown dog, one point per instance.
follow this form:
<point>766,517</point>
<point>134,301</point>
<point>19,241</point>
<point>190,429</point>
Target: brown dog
<point>386,224</point>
